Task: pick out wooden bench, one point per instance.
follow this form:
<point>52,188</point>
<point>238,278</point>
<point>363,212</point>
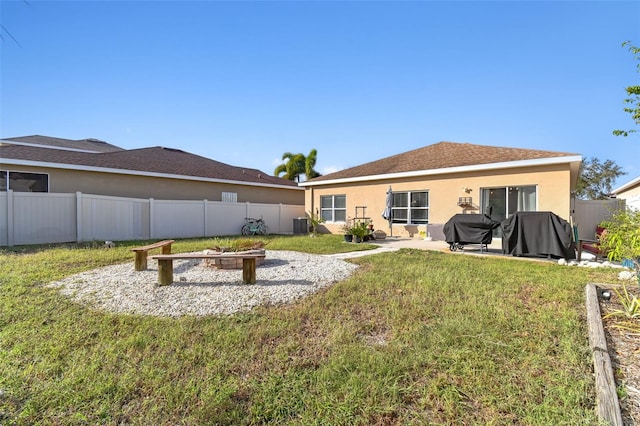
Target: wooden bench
<point>165,264</point>
<point>141,253</point>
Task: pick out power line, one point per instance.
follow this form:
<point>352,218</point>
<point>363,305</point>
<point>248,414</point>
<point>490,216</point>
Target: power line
<point>3,28</point>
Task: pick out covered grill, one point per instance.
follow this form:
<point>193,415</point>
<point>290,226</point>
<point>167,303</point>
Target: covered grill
<point>537,234</point>
<point>464,229</point>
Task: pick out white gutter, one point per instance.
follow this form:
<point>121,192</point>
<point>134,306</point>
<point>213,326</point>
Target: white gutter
<point>447,170</point>
<point>139,173</point>
<point>626,185</point>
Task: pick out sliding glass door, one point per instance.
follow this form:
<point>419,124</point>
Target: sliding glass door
<point>502,202</point>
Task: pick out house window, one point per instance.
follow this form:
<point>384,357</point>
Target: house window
<point>502,202</point>
<point>333,208</point>
<point>229,197</point>
<point>24,182</point>
<point>410,208</point>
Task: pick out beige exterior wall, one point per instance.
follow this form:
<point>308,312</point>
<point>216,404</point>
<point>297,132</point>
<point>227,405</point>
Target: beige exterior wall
<point>631,196</point>
<point>553,185</point>
<point>121,185</point>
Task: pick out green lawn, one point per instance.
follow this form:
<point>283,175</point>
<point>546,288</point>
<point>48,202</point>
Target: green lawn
<point>414,337</point>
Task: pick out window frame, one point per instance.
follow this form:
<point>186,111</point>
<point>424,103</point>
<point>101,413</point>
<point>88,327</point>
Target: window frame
<point>409,208</point>
<point>7,179</point>
<point>333,208</point>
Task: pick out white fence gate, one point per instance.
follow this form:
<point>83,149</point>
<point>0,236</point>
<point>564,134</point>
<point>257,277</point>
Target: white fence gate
<point>41,218</point>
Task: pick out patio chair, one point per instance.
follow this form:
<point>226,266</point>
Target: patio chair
<point>589,245</point>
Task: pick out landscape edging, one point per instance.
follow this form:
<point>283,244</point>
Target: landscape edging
<point>608,406</point>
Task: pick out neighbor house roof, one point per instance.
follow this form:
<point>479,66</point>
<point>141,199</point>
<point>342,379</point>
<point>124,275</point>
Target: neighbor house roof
<point>155,161</point>
<point>82,145</point>
<point>446,157</point>
<point>627,186</point>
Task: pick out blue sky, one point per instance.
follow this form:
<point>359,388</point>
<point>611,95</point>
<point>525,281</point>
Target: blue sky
<point>243,82</point>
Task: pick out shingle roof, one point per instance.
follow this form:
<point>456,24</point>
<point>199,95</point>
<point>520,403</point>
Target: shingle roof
<point>441,155</point>
<point>147,160</point>
<point>94,145</point>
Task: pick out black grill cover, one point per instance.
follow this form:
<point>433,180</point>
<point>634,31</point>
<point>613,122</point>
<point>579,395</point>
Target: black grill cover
<point>469,229</point>
<point>537,234</point>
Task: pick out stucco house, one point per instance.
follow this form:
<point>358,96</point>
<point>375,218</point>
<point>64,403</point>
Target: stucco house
<point>630,192</point>
<point>47,164</point>
<point>433,183</point>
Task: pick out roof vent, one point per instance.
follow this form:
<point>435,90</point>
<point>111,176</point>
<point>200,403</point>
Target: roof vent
<point>94,140</point>
<point>171,149</point>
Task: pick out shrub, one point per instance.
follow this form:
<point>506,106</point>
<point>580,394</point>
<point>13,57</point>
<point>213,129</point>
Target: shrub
<point>315,219</point>
<point>622,239</point>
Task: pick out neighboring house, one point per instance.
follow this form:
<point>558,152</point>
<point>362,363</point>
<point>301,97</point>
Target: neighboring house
<point>433,183</point>
<point>630,192</point>
<point>46,164</point>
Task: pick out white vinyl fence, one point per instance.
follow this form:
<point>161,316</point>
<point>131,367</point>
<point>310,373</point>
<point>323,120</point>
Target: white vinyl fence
<point>40,218</point>
<point>587,214</point>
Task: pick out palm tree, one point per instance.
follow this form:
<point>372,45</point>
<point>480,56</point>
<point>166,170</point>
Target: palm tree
<point>310,163</point>
<point>296,165</point>
<point>292,168</point>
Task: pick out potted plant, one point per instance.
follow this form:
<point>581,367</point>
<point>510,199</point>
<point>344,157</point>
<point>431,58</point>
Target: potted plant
<point>348,232</point>
<point>359,230</point>
<point>424,235</point>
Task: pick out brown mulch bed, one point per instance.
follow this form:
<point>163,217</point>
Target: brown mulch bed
<point>624,351</point>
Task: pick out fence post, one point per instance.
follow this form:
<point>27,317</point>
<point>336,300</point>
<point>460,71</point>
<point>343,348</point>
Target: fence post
<point>151,218</point>
<point>10,223</point>
<point>5,222</point>
<point>206,205</point>
<point>78,216</point>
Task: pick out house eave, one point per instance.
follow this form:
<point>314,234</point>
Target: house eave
<point>449,170</point>
<point>626,186</point>
<point>14,162</point>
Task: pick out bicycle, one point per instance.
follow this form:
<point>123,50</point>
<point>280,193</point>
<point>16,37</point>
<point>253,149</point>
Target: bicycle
<point>254,226</point>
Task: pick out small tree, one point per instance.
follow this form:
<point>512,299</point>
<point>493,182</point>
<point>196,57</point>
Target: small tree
<point>596,179</point>
<point>622,239</point>
<point>633,93</point>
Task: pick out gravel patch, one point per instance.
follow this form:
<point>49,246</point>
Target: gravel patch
<point>197,290</point>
